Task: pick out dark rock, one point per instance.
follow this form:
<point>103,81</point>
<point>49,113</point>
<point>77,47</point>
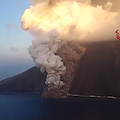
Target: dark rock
<point>98,72</point>
<point>31,80</point>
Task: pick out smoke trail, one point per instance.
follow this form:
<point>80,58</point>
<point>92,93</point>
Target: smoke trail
<point>57,25</point>
<point>43,51</point>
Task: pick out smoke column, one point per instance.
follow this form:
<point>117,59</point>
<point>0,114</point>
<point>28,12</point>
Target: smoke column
<point>58,25</point>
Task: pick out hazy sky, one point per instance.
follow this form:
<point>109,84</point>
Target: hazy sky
<point>14,41</point>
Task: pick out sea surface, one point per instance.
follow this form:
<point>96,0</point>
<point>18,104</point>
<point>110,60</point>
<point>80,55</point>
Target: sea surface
<point>30,106</point>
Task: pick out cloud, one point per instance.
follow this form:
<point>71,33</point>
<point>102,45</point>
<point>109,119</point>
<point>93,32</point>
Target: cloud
<point>14,49</point>
<point>115,6</point>
<point>12,26</point>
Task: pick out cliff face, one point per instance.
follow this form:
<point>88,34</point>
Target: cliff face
<point>31,80</point>
<point>97,73</point>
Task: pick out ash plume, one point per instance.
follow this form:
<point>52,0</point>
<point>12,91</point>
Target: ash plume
<point>58,26</point>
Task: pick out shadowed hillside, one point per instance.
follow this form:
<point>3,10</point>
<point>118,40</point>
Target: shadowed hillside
<point>30,81</point>
<point>98,72</point>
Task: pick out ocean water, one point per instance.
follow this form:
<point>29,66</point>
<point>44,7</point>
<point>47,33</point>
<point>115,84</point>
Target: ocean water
<point>26,106</point>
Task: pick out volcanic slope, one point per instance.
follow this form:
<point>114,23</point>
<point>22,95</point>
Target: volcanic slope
<point>31,80</point>
<point>98,72</point>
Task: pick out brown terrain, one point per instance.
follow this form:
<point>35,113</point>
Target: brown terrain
<point>98,72</point>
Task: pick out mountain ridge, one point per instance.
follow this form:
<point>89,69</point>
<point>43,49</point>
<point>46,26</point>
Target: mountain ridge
<point>31,80</point>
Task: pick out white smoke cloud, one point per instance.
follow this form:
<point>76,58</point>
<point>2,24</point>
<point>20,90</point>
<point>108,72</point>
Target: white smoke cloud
<point>115,4</point>
<point>108,6</point>
<point>54,22</point>
<point>43,51</point>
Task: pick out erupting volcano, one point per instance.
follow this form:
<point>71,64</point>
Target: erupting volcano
<point>60,28</point>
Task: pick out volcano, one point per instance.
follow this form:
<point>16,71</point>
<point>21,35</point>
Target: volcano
<point>98,73</point>
<point>31,80</point>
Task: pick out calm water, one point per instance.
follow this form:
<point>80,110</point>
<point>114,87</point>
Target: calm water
<point>32,107</point>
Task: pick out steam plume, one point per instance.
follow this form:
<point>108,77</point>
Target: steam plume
<point>56,22</point>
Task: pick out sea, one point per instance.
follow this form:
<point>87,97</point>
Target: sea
<point>30,106</point>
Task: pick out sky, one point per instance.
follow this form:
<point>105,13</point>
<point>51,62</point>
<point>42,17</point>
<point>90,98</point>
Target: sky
<point>14,41</point>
